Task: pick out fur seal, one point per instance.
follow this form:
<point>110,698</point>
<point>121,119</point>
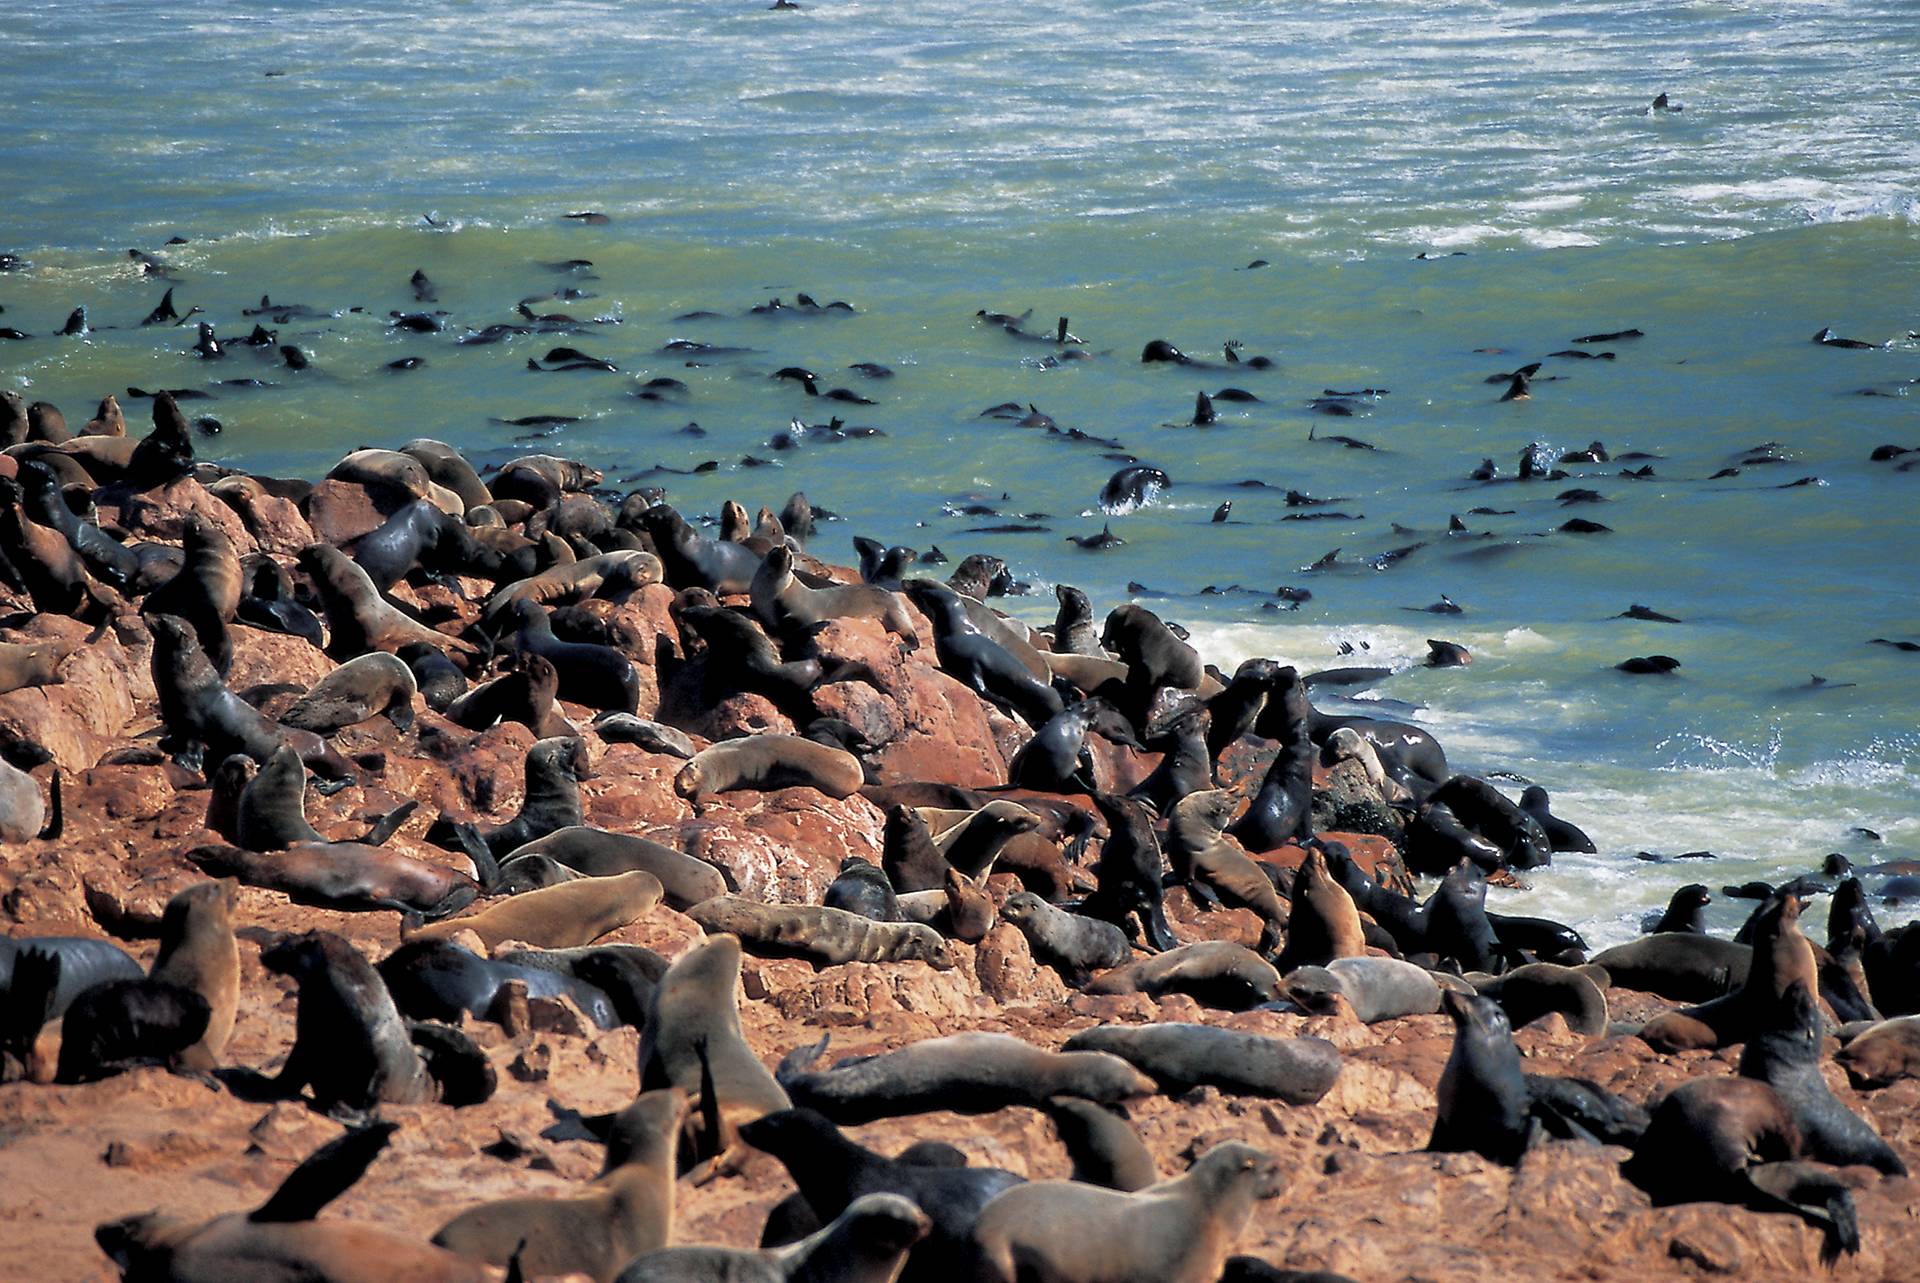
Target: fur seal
<point>1073,945</point>
<point>23,816</point>
<point>960,910</point>
<point>623,1212</point>
<point>1781,957</point>
<point>1883,1052</point>
<point>1376,988</point>
<point>555,768</point>
<point>826,937</point>
<point>419,535</point>
<point>972,1073</point>
<point>655,737</point>
<point>370,686</point>
<point>691,560</point>
<point>1154,657</point>
<point>684,880</point>
<point>1786,1056</point>
<point>601,575</point>
<point>1323,923</point>
<point>524,695</point>
<point>447,467</point>
<point>270,813</point>
<point>692,1038</point>
<point>1129,873</point>
<point>1529,992</point>
<point>976,659</point>
<point>1686,912</point>
<point>1469,818</point>
<point>204,717</point>
<point>1214,973</point>
<point>598,676</point>
<point>1215,869</point>
<point>1180,1056</point>
<point>830,1171</point>
<point>351,1047</point>
<point>391,473</point>
<point>972,842</point>
<point>439,681</point>
<point>1056,759</point>
<point>343,875</point>
<point>1282,809</point>
<point>281,1239</point>
<point>770,762</point>
<point>1104,1148</point>
<point>1676,966</point>
<point>1561,835</point>
<point>1178,1231</point>
<point>440,980</point>
<point>557,917</point>
<point>358,618</point>
<point>198,953</point>
<point>1484,1105</point>
<point>32,664</point>
<point>867,1243</point>
<point>788,607</point>
<point>861,887</point>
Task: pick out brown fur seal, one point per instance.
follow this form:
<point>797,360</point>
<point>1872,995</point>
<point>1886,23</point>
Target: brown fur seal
<point>1883,1053</point>
<point>525,695</point>
<point>350,1045</point>
<point>358,618</point>
<point>554,770</point>
<point>601,575</point>
<point>597,853</point>
<point>1104,1148</point>
<point>960,910</point>
<point>1215,869</point>
<point>23,815</point>
<point>1073,945</point>
<point>1216,973</point>
<point>626,1210</point>
<point>446,466</point>
<point>786,606</point>
<point>971,843</point>
<point>202,716</point>
<point>1323,923</point>
<point>344,875</point>
<point>280,1240</point>
<point>1679,966</point>
<point>1782,956</point>
<point>867,1243</point>
<point>356,691</point>
<point>1529,992</point>
<point>693,1032</point>
<point>1180,1056</point>
<point>769,762</point>
<point>32,664</point>
<point>205,592</point>
<point>974,1073</point>
<point>392,474</point>
<point>1179,1231</point>
<point>557,917</point>
<point>198,952</point>
<point>826,937</point>
<point>108,420</point>
<point>270,813</point>
<point>1376,988</point>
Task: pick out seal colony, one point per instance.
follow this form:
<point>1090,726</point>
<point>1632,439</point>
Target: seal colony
<point>530,801</point>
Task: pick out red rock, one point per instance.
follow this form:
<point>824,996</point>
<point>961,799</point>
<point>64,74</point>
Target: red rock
<point>161,514</point>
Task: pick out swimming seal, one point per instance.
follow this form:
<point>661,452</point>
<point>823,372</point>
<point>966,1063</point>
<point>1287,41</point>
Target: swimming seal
<point>371,686</point>
<point>281,1239</point>
<point>821,935</point>
<point>973,1073</point>
<point>1214,973</point>
<point>865,1244</point>
<point>1216,870</point>
<point>623,1212</point>
<point>768,762</point>
<point>351,1047</point>
<point>831,1171</point>
<point>684,880</point>
<point>692,1038</point>
<point>1181,1056</point>
<point>1178,1231</point>
<point>1073,945</point>
<point>557,917</point>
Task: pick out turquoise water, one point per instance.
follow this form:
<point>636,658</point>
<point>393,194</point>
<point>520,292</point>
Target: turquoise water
<point>1120,164</point>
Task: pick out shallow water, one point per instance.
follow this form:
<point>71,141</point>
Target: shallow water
<point>1119,164</point>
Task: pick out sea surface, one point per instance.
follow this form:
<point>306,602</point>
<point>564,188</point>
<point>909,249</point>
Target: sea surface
<point>1121,164</point>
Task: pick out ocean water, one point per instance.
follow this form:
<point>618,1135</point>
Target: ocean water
<point>1122,165</point>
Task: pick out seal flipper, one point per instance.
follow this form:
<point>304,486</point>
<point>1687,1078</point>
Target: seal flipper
<point>458,1068</point>
<point>56,815</point>
<point>800,1060</point>
<point>325,1175</point>
<point>1816,1195</point>
<point>27,1004</point>
<point>389,824</point>
<point>710,1120</point>
<point>461,836</point>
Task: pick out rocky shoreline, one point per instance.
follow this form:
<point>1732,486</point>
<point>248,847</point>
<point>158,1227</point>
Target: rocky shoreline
<point>1359,1194</point>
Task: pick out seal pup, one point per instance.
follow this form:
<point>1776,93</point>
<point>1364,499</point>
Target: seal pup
<point>623,1212</point>
<point>1181,1056</point>
<point>867,1243</point>
<point>767,762</point>
<point>1073,945</point>
<point>1178,1231</point>
<point>1057,759</point>
<point>692,1038</point>
<point>198,953</point>
<point>972,1073</point>
<point>1215,869</point>
<point>824,936</point>
<point>861,887</point>
<point>352,1049</point>
<point>556,917</point>
<point>282,1239</point>
<point>830,1171</point>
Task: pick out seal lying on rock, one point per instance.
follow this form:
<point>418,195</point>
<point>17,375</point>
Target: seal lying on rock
<point>1217,973</point>
<point>867,1243</point>
<point>821,935</point>
<point>557,917</point>
<point>770,762</point>
<point>1180,1056</point>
